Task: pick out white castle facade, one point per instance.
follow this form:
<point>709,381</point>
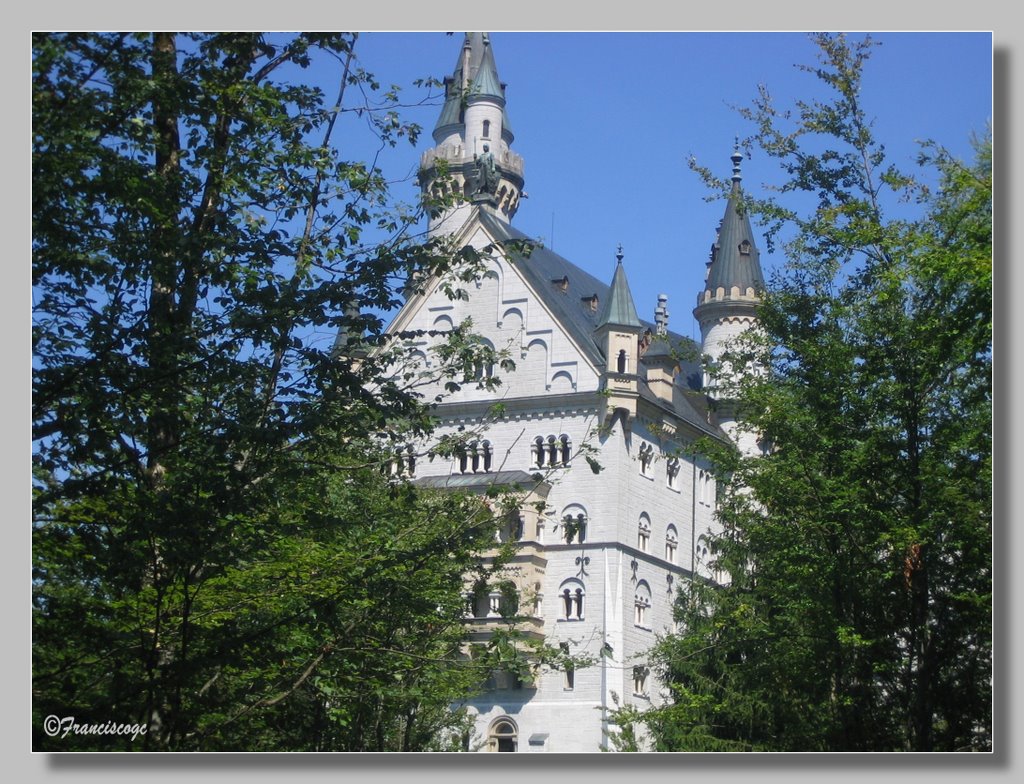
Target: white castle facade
<point>597,571</point>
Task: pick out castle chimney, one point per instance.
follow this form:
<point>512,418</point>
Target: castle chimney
<point>661,315</point>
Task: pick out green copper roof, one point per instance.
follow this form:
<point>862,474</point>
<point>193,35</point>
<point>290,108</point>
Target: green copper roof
<point>475,76</point>
<point>486,83</point>
<point>734,257</point>
<point>619,309</point>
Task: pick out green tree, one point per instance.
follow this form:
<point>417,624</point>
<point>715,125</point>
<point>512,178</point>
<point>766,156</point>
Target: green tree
<point>856,613</point>
<point>217,555</point>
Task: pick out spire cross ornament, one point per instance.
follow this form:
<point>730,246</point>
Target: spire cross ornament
<point>619,254</point>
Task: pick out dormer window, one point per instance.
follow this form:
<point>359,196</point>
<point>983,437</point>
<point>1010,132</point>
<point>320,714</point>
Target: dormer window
<point>745,248</point>
<point>487,129</point>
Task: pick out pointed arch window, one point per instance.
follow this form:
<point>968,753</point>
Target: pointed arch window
<point>620,362</point>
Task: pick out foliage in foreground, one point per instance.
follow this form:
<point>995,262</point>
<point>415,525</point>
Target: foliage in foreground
<point>856,551</point>
<point>218,555</point>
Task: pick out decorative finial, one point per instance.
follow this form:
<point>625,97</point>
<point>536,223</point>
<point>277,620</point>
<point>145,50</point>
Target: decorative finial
<point>736,158</point>
<point>619,255</point>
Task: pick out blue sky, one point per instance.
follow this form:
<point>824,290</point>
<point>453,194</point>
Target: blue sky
<point>606,122</point>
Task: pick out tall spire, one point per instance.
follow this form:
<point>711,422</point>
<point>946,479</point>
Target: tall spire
<point>728,307</point>
<point>618,334</point>
<point>473,135</point>
<point>486,82</point>
<point>734,269</point>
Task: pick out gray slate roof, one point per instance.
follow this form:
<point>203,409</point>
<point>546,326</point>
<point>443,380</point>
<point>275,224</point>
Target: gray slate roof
<point>566,290</point>
<point>730,265</point>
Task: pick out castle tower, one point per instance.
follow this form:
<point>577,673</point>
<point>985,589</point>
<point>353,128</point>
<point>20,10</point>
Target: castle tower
<point>727,307</point>
<point>618,335</point>
<point>472,163</point>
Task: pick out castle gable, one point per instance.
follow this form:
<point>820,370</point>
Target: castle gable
<point>521,305</point>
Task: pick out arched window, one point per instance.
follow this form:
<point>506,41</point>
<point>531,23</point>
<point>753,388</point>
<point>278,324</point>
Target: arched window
<point>642,605</point>
<point>643,533</point>
<point>487,129</point>
<point>671,544</point>
<point>575,527</point>
<point>503,735</point>
<point>565,449</point>
<point>620,364</point>
<point>572,595</point>
<point>550,451</point>
<point>537,452</point>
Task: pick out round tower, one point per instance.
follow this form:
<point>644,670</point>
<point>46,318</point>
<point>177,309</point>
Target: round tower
<point>472,163</point>
<point>727,306</point>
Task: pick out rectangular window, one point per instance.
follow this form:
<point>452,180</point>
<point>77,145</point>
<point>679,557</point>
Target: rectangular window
<point>569,673</point>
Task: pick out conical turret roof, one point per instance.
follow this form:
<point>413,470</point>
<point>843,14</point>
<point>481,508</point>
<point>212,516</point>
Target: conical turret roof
<point>486,83</point>
<point>619,309</point>
<point>735,261</point>
<point>475,77</point>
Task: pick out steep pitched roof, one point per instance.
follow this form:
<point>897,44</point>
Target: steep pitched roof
<point>619,309</point>
<point>567,292</point>
<point>486,82</point>
<point>475,74</point>
<point>735,261</point>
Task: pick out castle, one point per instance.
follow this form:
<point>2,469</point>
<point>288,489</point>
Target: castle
<point>598,564</point>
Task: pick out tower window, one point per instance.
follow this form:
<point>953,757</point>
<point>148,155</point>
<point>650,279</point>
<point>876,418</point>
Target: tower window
<point>551,452</point>
<point>487,129</point>
<point>671,544</point>
<point>643,536</point>
<point>620,364</point>
<point>575,528</point>
<point>642,605</point>
<point>572,596</point>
